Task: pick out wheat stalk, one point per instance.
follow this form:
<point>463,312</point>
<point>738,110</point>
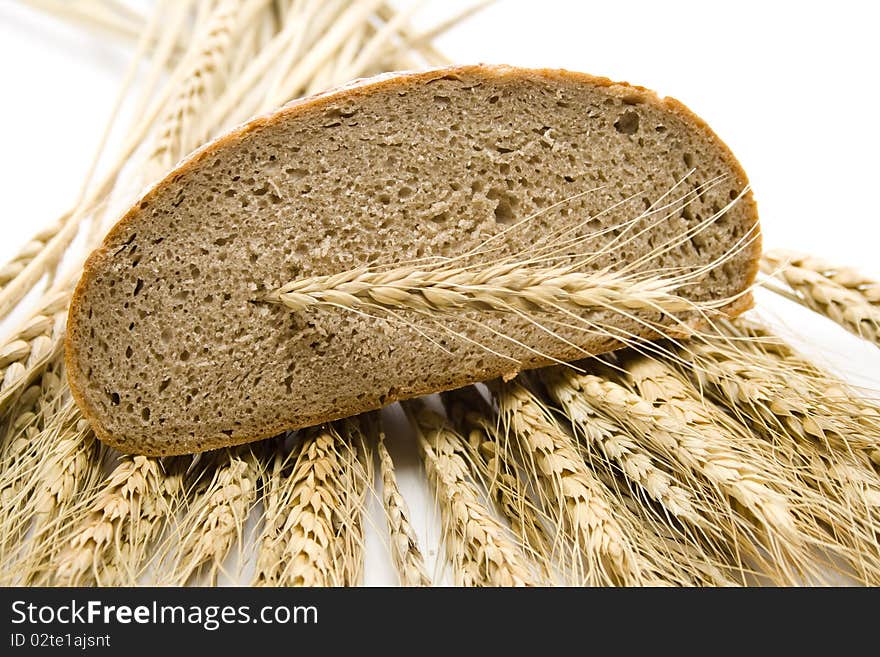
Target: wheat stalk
<point>110,545</point>
<point>849,300</point>
<point>214,520</point>
<point>476,543</point>
<point>405,552</point>
<point>115,26</point>
<point>573,496</point>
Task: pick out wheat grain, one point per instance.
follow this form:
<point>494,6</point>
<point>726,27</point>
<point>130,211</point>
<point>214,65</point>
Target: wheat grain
<point>844,408</point>
<point>847,305</point>
<point>110,545</point>
<point>573,496</point>
<point>273,519</point>
<point>476,543</point>
<point>405,552</point>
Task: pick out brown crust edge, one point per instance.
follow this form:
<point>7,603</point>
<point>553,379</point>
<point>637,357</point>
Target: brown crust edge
<point>348,91</point>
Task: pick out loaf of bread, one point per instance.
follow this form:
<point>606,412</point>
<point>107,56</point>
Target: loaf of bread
<point>172,347</point>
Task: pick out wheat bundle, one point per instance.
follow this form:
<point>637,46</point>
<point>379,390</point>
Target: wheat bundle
<point>719,457</point>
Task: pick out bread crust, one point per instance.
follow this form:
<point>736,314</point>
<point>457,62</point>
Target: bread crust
<point>76,334</point>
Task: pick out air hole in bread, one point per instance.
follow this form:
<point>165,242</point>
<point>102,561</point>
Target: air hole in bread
<point>627,123</point>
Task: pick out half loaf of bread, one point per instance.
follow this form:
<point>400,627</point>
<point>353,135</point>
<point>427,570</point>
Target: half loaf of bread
<point>170,349</point>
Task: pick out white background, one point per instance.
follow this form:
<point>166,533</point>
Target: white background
<point>790,86</point>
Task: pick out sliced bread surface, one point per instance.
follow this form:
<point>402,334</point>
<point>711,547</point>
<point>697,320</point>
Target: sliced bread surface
<point>170,350</point>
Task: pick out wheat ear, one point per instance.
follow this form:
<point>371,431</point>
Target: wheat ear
<point>836,406</point>
<point>849,299</point>
<point>710,444</point>
<point>742,465</point>
<point>28,351</point>
<point>70,473</point>
<point>22,454</point>
<point>405,552</point>
<point>495,465</point>
<point>481,552</point>
<point>801,412</point>
<point>110,546</point>
<point>178,132</point>
<point>848,277</point>
<point>691,455</point>
<point>305,514</point>
<point>28,252</point>
<point>214,520</point>
<point>574,498</point>
<point>502,287</point>
<point>615,444</point>
<point>673,556</point>
<point>810,404</point>
<point>357,484</point>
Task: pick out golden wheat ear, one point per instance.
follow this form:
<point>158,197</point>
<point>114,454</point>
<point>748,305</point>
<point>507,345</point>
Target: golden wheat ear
<point>493,462</point>
<point>111,542</point>
<point>404,544</point>
<point>221,493</point>
<point>601,549</point>
<point>822,432</point>
<point>477,544</point>
<point>842,294</point>
<point>313,500</point>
